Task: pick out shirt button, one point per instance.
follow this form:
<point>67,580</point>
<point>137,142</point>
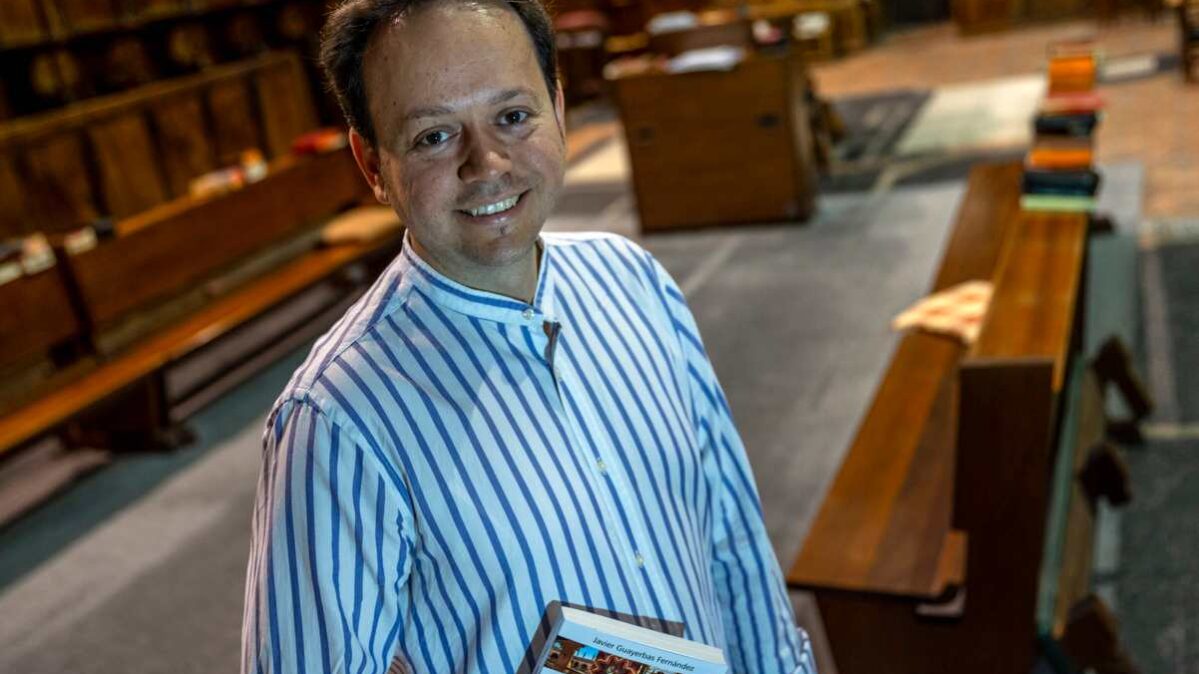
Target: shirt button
<point>603,468</point>
<point>640,561</point>
<point>527,313</point>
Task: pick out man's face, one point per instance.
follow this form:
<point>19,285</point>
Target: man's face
<point>470,147</point>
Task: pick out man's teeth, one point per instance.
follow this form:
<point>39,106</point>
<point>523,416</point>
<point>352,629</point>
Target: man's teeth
<point>492,209</point>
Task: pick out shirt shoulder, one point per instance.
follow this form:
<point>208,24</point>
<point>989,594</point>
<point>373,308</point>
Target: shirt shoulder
<point>330,364</point>
<point>603,257</point>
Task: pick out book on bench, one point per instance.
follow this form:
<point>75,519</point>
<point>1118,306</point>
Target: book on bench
<point>581,642</point>
<point>1072,183</point>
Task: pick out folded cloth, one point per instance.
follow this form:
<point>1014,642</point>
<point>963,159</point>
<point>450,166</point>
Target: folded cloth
<point>956,312</point>
<point>360,225</point>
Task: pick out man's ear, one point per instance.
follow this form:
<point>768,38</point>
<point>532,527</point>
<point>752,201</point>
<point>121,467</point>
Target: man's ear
<point>560,109</point>
<point>368,162</point>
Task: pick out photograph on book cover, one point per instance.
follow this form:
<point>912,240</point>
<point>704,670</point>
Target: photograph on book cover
<point>572,657</point>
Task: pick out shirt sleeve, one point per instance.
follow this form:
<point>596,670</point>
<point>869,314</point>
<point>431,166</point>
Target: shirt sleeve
<point>330,551</point>
<point>759,622</point>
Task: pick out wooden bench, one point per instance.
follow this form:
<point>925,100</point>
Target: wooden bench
<point>181,272</point>
<point>119,397</point>
<point>121,155</point>
<point>927,552</point>
<point>179,248</point>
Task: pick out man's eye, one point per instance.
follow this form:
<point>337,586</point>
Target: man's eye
<point>515,116</point>
<point>433,138</point>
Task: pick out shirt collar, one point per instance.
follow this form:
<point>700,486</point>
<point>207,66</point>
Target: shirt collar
<point>421,277</point>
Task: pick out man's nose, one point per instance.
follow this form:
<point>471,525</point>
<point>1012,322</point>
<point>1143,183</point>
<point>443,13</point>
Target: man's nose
<point>486,159</point>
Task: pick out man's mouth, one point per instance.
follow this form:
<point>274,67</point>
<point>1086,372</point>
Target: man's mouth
<point>493,208</point>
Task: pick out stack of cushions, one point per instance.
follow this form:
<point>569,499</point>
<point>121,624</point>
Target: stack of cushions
<point>1059,171</point>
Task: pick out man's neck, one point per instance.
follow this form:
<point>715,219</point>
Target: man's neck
<point>517,280</point>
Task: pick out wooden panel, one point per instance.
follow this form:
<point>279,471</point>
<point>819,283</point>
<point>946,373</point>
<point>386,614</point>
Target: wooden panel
<point>234,121</point>
<point>1036,291</point>
<point>989,209</point>
<point>286,106</point>
<point>14,216</point>
<point>20,22</point>
<point>974,16</point>
<point>85,15</point>
<point>180,243</point>
<point>37,315</point>
<point>1001,493</point>
<point>1056,9</point>
<point>154,8</point>
<point>732,34</point>
<point>1066,569</point>
<point>687,132</point>
<point>129,173</point>
<point>182,141</point>
<point>845,548</point>
<point>59,187</point>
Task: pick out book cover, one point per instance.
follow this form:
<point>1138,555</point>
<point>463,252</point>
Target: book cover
<point>1057,204</point>
<point>1079,124</point>
<point>1060,182</point>
<point>586,643</point>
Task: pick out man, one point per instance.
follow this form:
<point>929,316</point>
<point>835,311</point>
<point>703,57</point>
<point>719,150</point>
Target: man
<point>505,419</point>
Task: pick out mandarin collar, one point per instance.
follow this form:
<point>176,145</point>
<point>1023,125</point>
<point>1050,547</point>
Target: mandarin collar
<point>419,276</point>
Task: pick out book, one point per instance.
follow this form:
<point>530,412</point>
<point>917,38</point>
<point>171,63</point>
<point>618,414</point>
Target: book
<point>1064,103</point>
<point>581,642</point>
<point>1059,156</point>
<point>1072,74</point>
<point>1057,204</point>
<point>1080,124</point>
<point>1060,182</point>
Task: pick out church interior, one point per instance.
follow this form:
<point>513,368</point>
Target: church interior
<point>944,256</point>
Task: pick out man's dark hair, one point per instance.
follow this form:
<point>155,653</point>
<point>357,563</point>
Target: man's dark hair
<point>350,27</point>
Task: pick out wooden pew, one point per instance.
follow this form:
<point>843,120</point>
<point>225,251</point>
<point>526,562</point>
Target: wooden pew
<point>176,271</point>
<point>926,554</point>
<point>120,155</point>
<point>38,327</point>
<point>173,249</point>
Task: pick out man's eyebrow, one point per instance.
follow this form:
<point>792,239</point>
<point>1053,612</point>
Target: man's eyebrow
<point>441,110</point>
<point>436,111</point>
<point>509,94</point>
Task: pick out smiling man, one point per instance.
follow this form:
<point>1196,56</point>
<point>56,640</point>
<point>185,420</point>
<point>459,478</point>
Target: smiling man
<point>505,419</point>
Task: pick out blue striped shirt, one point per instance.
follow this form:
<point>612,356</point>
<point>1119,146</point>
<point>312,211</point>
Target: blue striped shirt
<point>448,461</point>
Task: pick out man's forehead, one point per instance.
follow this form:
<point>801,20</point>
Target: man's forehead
<point>445,34</point>
<point>450,54</point>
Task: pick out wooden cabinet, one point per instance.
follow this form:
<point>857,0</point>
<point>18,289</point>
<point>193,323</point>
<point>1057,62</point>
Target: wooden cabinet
<point>718,148</point>
<point>977,16</point>
<point>974,16</point>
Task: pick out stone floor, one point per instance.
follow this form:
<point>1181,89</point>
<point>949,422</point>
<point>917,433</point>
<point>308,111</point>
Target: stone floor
<point>1154,120</point>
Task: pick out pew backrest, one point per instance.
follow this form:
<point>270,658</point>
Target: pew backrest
<point>120,155</point>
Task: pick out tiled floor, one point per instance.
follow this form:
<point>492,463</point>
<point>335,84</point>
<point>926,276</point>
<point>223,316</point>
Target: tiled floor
<point>1153,120</point>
